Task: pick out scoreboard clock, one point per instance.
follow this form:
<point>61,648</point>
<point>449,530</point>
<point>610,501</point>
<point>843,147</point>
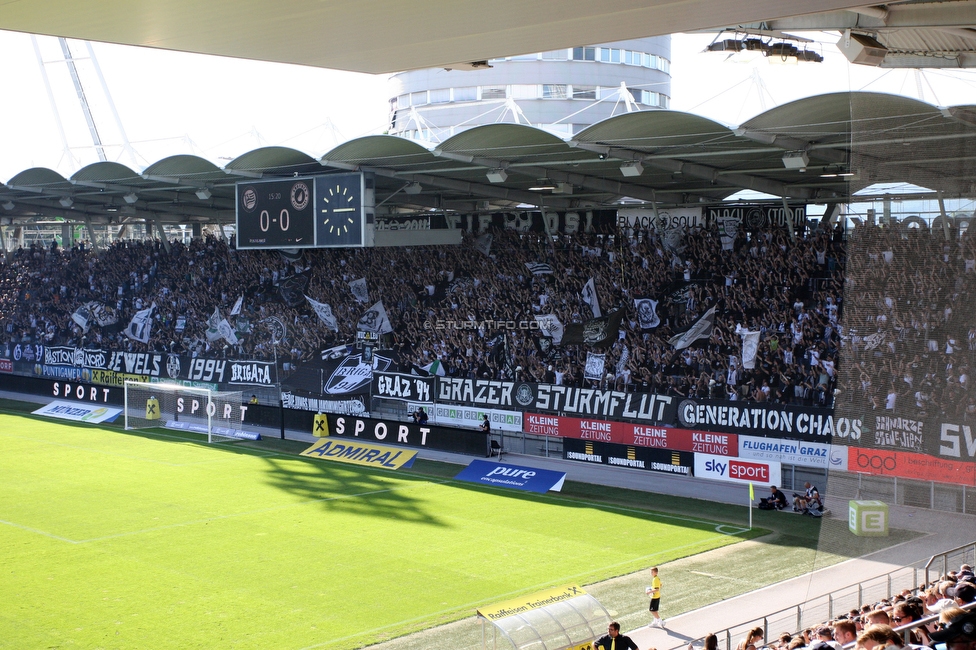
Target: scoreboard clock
<point>339,210</point>
<point>276,214</point>
<point>312,212</point>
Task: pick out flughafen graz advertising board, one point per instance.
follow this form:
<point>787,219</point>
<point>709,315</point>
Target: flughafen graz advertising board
<point>895,443</point>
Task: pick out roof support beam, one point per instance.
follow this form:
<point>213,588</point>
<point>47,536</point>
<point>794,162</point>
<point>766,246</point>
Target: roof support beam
<point>792,144</point>
<point>703,171</point>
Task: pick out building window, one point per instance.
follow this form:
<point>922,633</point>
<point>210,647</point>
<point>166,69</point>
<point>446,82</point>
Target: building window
<point>525,91</point>
<point>584,54</point>
<point>555,55</point>
<point>493,92</point>
<point>466,94</point>
<point>554,91</point>
<point>584,92</point>
<point>403,101</point>
<point>418,98</point>
<point>440,96</point>
<point>525,57</point>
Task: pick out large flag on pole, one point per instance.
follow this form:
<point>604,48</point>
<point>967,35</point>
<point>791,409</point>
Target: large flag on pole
<point>324,312</point>
<point>647,317</point>
<point>375,320</point>
<point>700,329</point>
<point>140,325</point>
<point>213,325</point>
<point>589,297</point>
<point>236,309</point>
<point>750,346</point>
<point>359,290</point>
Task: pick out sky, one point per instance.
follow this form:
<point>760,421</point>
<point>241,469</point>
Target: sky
<point>218,108</point>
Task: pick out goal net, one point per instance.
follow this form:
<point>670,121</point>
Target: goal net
<point>216,414</point>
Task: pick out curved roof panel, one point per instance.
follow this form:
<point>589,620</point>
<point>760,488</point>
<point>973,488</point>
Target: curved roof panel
<point>185,166</point>
<point>105,171</point>
<point>271,158</point>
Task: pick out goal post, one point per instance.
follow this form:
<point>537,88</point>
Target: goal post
<point>217,414</point>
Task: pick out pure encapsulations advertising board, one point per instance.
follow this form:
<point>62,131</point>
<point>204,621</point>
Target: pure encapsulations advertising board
<point>735,470</point>
<point>529,479</point>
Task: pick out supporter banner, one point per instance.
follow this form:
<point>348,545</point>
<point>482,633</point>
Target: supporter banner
<point>755,217</point>
<point>648,407</point>
<point>470,417</point>
<point>910,465</point>
<point>769,420</point>
<point>26,352</point>
<point>551,222</point>
<point>6,365</point>
<point>717,468</point>
<point>79,412</point>
<point>624,433</point>
<point>516,477</point>
<point>790,452</point>
<point>644,219</point>
<point>351,406</point>
<point>474,443</point>
<point>361,453</point>
<point>655,460</point>
<point>391,385</point>
<point>251,373</point>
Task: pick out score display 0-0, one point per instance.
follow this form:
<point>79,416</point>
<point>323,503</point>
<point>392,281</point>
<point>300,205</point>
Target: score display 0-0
<point>307,212</point>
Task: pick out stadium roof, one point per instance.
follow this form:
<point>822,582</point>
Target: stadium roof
<point>390,36</point>
<point>819,149</point>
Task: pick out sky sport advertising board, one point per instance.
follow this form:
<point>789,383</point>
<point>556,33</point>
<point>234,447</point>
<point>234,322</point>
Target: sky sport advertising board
<point>735,470</point>
<point>639,435</point>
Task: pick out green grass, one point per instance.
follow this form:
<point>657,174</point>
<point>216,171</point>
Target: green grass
<point>117,539</point>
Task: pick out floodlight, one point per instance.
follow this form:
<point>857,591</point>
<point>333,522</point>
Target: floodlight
<point>497,176</point>
<point>632,168</point>
<point>414,188</point>
<point>796,160</point>
<point>131,197</point>
<point>9,205</point>
<point>65,201</point>
<point>203,194</point>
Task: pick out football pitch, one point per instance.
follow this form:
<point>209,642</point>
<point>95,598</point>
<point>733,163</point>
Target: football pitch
<point>116,539</point>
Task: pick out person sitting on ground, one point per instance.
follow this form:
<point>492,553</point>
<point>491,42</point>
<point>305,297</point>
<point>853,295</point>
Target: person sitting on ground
<point>775,501</point>
<point>809,501</point>
<point>420,415</point>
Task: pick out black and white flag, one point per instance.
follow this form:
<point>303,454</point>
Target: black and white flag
<point>539,268</point>
<point>236,309</point>
<point>140,325</point>
<point>750,346</point>
<point>595,364</point>
<point>324,312</point>
<point>375,320</point>
<point>103,314</point>
<point>83,317</point>
<point>483,244</point>
<point>213,326</point>
<point>647,317</point>
<point>596,332</point>
<point>359,290</point>
<point>292,289</point>
<point>550,325</point>
<point>590,298</point>
<point>700,329</point>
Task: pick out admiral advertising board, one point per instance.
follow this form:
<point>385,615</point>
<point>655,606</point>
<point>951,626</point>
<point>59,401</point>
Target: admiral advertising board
<point>551,398</point>
<point>654,460</point>
<point>624,433</point>
<point>474,443</point>
<point>737,470</point>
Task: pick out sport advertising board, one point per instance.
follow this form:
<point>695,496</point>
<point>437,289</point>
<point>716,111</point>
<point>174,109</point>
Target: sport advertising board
<point>474,443</point>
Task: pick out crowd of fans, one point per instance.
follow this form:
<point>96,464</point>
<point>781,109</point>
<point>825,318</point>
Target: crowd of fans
<point>900,317</point>
<point>942,604</point>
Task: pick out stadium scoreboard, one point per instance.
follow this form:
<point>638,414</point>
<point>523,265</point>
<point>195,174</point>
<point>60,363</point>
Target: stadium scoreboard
<point>303,212</point>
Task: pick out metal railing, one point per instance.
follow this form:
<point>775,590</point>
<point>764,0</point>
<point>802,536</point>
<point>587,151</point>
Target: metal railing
<point>841,601</point>
<point>965,554</point>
